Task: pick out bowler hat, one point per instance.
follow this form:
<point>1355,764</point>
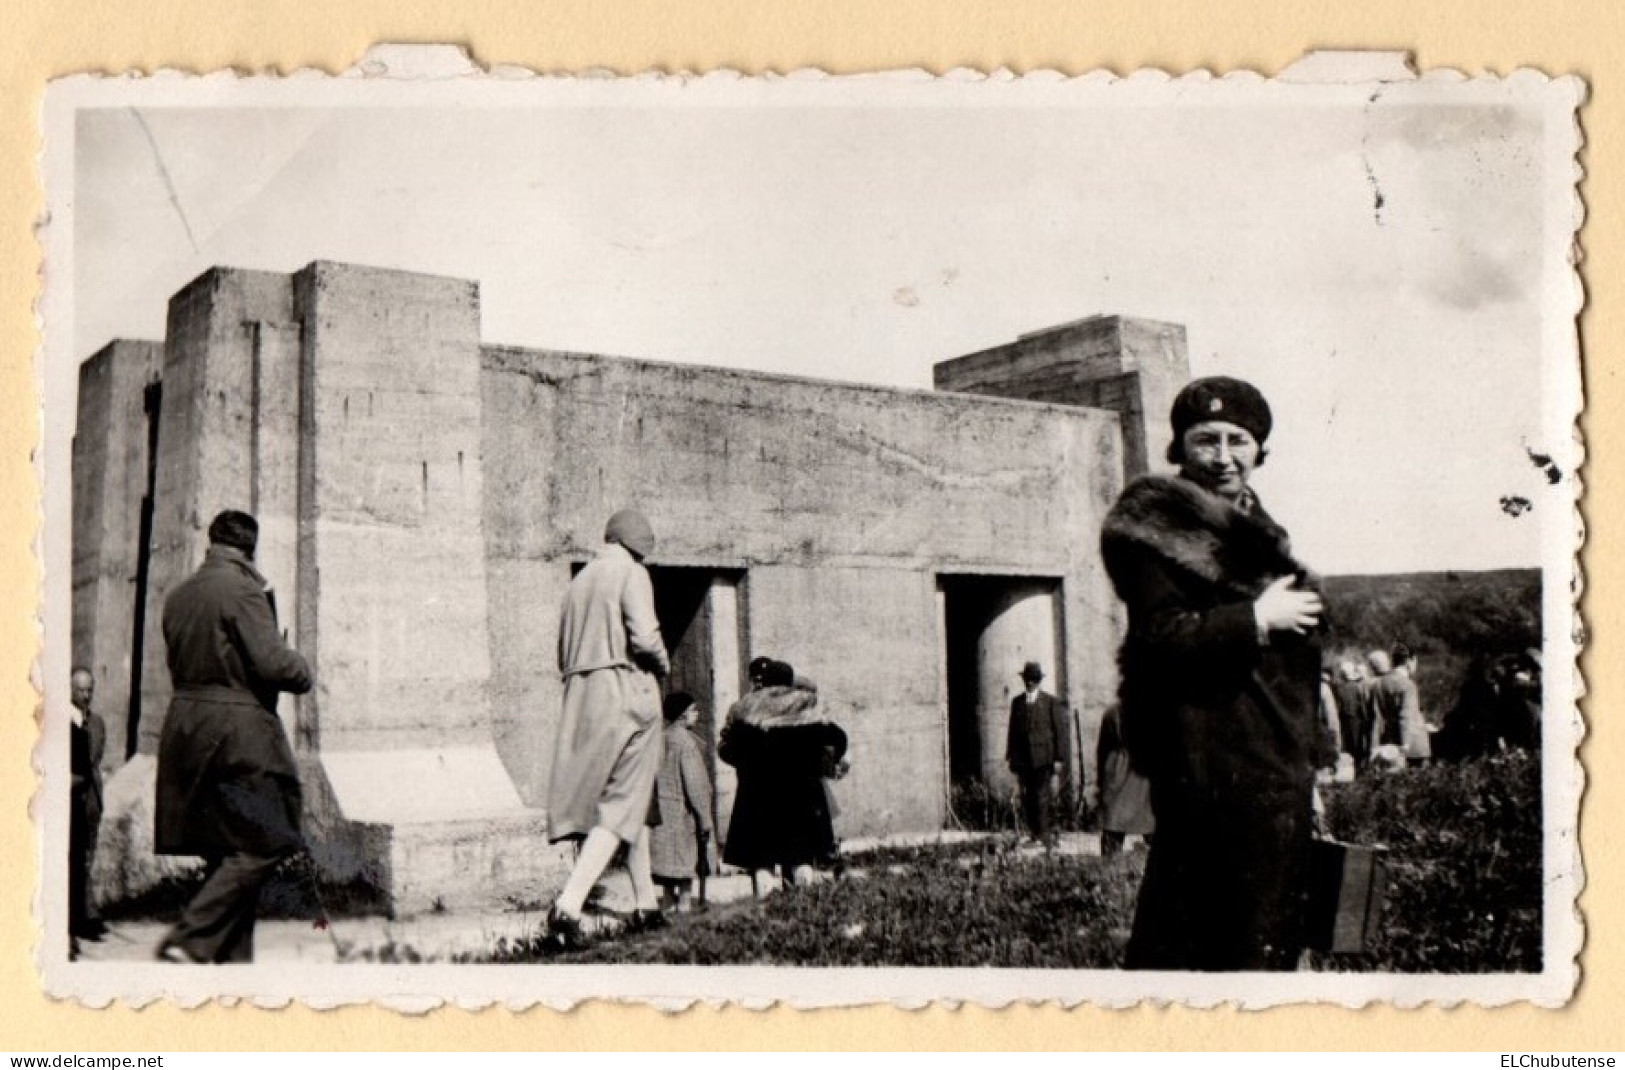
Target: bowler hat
<point>1032,671</point>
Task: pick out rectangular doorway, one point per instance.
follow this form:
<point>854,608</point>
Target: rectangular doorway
<point>991,627</point>
<point>699,621</point>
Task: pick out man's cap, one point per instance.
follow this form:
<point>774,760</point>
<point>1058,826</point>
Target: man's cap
<point>1032,671</point>
<point>632,530</point>
<point>1221,398</point>
<point>236,529</point>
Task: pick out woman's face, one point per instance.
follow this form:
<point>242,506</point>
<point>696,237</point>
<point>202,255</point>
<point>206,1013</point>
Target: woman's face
<point>1219,456</point>
<point>691,716</point>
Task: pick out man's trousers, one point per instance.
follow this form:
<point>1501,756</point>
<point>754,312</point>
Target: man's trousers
<point>1035,800</point>
<point>218,924</point>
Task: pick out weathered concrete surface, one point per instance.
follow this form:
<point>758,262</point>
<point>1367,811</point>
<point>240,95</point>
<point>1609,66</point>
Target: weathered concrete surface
<point>840,504</point>
<point>109,482</point>
<point>1130,366</point>
<point>206,442</point>
<point>409,792</point>
<point>390,510</point>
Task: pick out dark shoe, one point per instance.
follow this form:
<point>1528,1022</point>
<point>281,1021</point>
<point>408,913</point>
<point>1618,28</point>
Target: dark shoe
<point>93,930</point>
<point>564,932</point>
<point>647,921</point>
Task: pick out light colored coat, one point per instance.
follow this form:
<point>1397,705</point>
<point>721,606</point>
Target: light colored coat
<point>608,749</point>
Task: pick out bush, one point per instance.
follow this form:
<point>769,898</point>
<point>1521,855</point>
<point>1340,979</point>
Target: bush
<point>976,806</point>
<point>1464,864</point>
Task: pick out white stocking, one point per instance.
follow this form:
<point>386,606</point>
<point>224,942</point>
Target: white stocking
<point>644,894</point>
<point>595,855</point>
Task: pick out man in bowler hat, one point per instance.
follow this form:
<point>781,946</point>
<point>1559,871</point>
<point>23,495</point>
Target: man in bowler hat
<point>1038,748</point>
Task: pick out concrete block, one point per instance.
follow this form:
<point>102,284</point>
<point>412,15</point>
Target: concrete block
<point>110,472</point>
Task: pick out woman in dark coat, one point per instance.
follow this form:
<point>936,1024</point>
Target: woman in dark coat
<point>1220,690</point>
<point>783,749</point>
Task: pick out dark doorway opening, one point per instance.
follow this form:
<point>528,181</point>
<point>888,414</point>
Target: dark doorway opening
<point>152,403</point>
<point>687,603</point>
<point>682,603</point>
<point>991,626</point>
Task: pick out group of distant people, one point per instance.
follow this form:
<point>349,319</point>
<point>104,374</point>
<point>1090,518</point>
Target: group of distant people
<point>1371,712</point>
<point>1499,708</point>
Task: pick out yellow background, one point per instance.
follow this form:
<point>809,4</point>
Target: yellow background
<point>40,39</point>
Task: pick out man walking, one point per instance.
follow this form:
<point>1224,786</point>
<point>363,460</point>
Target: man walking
<point>87,742</point>
<point>1037,749</point>
<point>609,744</point>
<point>228,789</point>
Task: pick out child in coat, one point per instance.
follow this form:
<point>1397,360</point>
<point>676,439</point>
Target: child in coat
<point>680,846</point>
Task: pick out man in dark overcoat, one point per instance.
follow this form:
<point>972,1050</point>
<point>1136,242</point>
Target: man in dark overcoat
<point>228,789</point>
<point>1220,692</point>
<point>1038,748</point>
<point>87,741</point>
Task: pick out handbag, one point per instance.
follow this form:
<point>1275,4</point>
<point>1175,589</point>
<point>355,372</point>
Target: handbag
<point>1346,881</point>
<point>1346,887</point>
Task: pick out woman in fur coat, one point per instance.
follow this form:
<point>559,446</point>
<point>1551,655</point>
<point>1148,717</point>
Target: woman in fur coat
<point>785,750</point>
<point>1220,673</point>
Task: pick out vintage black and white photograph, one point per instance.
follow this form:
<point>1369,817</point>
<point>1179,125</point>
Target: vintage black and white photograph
<point>830,539</point>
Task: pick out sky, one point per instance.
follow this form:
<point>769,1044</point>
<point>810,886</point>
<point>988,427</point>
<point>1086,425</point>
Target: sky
<point>1387,266</point>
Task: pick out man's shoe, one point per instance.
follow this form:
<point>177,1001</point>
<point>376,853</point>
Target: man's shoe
<point>92,930</point>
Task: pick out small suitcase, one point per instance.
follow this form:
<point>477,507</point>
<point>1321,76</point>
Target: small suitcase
<point>1346,887</point>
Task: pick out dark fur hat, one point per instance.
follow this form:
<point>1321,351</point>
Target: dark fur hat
<point>1220,397</point>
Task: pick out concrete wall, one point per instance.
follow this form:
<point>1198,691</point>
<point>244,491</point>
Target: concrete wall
<point>109,482</point>
<point>841,504</point>
<point>423,499</point>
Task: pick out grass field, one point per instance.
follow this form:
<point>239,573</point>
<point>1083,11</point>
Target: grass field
<point>1464,866</point>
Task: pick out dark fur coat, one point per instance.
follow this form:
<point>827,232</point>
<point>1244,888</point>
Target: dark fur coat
<point>1222,721</point>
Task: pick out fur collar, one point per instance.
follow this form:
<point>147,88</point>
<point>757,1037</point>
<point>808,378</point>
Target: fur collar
<point>778,707</point>
<point>1198,533</point>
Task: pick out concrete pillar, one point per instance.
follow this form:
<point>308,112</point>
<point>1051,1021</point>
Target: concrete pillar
<point>206,443</point>
<point>398,732</point>
<point>109,482</point>
<point>1133,367</point>
<point>1022,628</point>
